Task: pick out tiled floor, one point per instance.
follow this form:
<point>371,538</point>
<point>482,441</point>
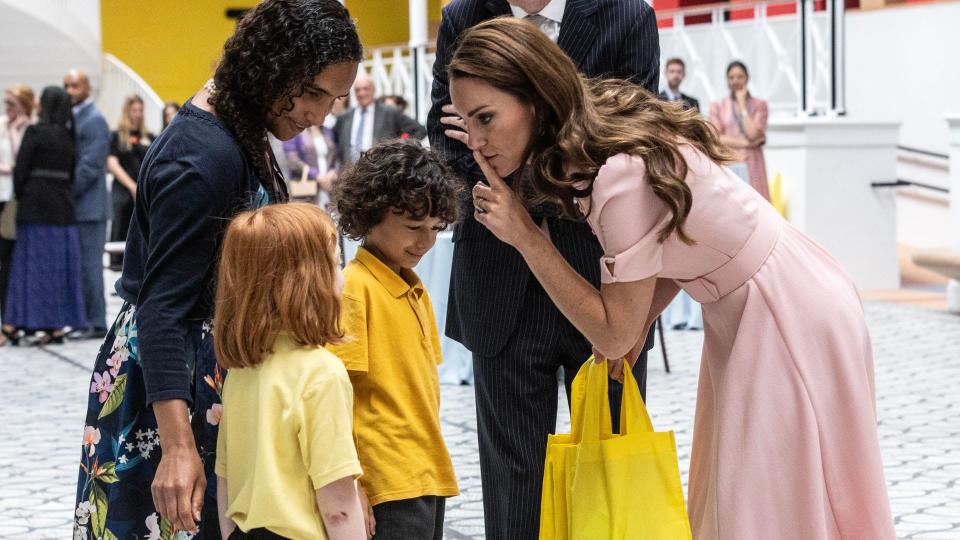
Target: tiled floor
<point>917,364</point>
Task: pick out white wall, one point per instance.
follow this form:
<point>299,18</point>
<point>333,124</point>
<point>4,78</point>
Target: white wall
<point>40,40</point>
<point>902,66</point>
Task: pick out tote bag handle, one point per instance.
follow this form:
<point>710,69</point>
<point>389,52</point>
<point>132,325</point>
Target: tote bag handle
<point>590,407</point>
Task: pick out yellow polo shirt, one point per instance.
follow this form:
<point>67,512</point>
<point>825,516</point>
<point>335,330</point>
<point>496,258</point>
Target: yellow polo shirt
<point>392,351</point>
<point>285,431</point>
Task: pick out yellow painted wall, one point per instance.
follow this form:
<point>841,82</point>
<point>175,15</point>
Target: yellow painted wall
<point>380,22</point>
<point>387,22</point>
<point>175,44</point>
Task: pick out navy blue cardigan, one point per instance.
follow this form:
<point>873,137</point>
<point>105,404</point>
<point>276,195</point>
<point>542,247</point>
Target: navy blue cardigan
<point>194,178</point>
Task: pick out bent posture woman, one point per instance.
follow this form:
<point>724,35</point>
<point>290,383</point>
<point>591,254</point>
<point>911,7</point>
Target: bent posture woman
<point>785,442</point>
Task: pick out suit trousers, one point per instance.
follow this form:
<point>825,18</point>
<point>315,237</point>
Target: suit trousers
<point>517,398</point>
<point>93,236</point>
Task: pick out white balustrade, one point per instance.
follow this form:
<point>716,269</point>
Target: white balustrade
<point>118,82</point>
<point>770,46</point>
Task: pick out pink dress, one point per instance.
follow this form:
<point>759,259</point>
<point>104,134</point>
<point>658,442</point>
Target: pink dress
<point>785,443</point>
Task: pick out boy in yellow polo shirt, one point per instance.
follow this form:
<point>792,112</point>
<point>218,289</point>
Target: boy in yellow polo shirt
<point>395,200</point>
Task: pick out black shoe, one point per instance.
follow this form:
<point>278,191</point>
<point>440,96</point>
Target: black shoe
<point>48,339</point>
<point>12,337</point>
<point>82,334</point>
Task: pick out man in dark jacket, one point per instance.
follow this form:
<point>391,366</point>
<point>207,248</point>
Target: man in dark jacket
<point>676,71</point>
<point>518,338</point>
<point>370,121</point>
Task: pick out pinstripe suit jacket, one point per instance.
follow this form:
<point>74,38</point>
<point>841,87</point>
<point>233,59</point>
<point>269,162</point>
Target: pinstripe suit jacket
<point>614,38</point>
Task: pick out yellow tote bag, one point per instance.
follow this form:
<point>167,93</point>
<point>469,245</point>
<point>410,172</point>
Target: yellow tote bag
<point>600,486</point>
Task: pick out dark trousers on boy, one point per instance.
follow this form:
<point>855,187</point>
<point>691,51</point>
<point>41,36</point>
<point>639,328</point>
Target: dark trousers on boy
<point>410,519</point>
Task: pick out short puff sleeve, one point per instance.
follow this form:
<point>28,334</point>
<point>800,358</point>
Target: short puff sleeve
<point>627,218</point>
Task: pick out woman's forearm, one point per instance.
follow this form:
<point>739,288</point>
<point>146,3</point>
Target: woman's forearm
<point>734,141</point>
<point>664,293</point>
<point>113,165</point>
<point>611,322</point>
<point>750,129</point>
<point>173,422</point>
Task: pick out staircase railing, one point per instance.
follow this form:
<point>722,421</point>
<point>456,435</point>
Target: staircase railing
<point>120,81</point>
<point>769,37</point>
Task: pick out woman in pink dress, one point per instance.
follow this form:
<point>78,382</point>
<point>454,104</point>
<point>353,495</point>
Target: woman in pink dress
<point>785,442</point>
<point>741,120</point>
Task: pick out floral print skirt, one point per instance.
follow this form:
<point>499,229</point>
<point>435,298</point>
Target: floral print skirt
<point>121,443</point>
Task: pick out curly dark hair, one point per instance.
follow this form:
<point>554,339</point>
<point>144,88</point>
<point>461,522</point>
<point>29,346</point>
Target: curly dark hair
<point>399,176</point>
<point>277,49</point>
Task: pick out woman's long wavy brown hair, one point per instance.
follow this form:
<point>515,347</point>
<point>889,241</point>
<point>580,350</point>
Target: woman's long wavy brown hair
<point>277,49</point>
<point>580,123</point>
<point>278,273</point>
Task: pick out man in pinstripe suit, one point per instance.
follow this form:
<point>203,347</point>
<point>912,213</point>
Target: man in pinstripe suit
<point>518,338</point>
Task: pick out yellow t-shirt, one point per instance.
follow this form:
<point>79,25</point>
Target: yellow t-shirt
<point>392,350</point>
<point>286,431</point>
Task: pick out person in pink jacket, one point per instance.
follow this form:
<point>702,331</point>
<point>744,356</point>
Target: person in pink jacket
<point>741,120</point>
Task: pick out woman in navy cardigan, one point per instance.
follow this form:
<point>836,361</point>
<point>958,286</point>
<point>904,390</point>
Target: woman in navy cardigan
<point>156,384</point>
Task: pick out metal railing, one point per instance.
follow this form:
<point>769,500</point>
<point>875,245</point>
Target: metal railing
<point>790,56</point>
<point>120,81</point>
<point>909,183</point>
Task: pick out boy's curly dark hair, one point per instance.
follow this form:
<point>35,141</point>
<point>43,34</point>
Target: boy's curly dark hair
<point>399,176</point>
<point>278,48</point>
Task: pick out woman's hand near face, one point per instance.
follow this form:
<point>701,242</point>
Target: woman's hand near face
<point>499,209</point>
<point>741,97</point>
<point>454,119</point>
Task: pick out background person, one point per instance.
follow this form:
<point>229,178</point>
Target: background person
<point>18,105</point>
<point>676,71</point>
<point>170,109</point>
<point>741,120</point>
<point>90,200</point>
<point>45,292</point>
<point>128,146</point>
<point>361,127</point>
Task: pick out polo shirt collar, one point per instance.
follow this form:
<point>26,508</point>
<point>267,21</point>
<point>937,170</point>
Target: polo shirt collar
<point>396,285</point>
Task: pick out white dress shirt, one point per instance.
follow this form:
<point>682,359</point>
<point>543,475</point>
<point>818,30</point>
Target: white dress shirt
<point>549,18</point>
<point>367,128</point>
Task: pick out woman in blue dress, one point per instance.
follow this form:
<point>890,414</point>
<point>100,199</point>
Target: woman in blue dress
<point>154,404</point>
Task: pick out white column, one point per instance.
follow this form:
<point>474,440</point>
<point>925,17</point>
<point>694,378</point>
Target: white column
<point>418,23</point>
<point>953,286</point>
<point>826,167</point>
<point>418,49</point>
